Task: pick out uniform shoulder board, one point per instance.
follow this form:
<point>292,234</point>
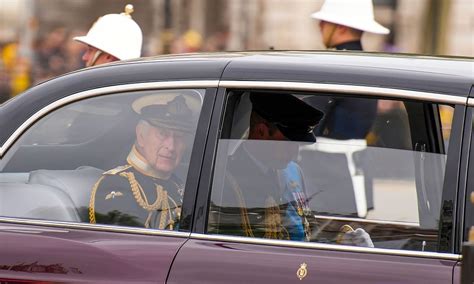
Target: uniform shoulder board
<point>117,170</point>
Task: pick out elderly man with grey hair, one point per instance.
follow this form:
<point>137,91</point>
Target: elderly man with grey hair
<point>145,192</point>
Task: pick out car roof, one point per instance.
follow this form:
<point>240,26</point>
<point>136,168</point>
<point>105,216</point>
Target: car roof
<point>435,74</point>
<point>447,65</point>
<point>445,75</point>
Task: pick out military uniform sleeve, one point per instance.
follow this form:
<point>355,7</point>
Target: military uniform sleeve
<point>110,198</point>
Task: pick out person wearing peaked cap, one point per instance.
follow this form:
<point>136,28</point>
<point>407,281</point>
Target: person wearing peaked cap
<point>263,180</point>
<point>342,23</point>
<point>171,111</point>
<point>145,192</point>
<point>111,38</point>
<point>262,173</point>
<point>291,116</point>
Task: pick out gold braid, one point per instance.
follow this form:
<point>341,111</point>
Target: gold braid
<point>243,207</point>
<point>273,225</point>
<point>161,201</point>
<point>164,208</point>
<point>139,194</point>
<point>92,201</point>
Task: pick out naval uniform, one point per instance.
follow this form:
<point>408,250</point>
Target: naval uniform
<point>262,202</point>
<point>134,195</point>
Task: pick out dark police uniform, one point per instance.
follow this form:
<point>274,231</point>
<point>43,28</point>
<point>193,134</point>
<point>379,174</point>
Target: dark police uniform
<point>351,45</point>
<point>271,203</point>
<point>135,194</point>
<point>346,118</point>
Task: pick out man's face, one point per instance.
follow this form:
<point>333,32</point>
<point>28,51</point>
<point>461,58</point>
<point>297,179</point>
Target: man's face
<point>284,150</point>
<point>327,32</point>
<point>91,58</point>
<point>161,147</point>
<point>278,150</point>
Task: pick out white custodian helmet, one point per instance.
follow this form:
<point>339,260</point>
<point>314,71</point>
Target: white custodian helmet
<point>357,14</point>
<point>116,34</point>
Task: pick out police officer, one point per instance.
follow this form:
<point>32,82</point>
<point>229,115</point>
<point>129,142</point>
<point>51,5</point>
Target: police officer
<point>145,192</point>
<point>112,37</point>
<point>342,23</point>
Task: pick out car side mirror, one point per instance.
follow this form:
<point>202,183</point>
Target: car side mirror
<point>467,272</point>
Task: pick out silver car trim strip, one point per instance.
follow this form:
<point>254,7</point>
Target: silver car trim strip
<point>347,89</point>
<point>348,219</point>
<point>470,102</point>
<point>256,241</point>
<point>103,91</point>
<point>321,246</point>
<point>91,227</point>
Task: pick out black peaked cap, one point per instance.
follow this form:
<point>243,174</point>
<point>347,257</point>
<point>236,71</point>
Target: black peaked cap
<point>293,117</point>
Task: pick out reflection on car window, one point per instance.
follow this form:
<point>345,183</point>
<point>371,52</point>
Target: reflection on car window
<point>75,124</point>
<point>118,159</point>
<point>346,187</point>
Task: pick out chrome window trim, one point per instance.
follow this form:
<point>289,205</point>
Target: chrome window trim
<point>347,89</point>
<point>470,102</point>
<point>360,220</point>
<point>98,92</point>
<point>92,227</point>
<point>321,246</point>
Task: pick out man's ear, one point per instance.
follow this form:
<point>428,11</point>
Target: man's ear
<point>139,131</point>
<point>262,130</point>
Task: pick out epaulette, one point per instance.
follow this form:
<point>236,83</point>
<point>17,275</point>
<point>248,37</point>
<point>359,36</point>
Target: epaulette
<point>117,170</point>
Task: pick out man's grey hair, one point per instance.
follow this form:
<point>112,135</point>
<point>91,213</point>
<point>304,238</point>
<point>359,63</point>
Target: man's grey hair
<point>145,126</point>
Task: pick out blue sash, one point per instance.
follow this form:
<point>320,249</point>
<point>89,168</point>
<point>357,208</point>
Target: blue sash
<point>295,197</point>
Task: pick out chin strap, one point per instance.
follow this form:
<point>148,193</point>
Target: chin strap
<point>94,58</point>
<point>328,42</point>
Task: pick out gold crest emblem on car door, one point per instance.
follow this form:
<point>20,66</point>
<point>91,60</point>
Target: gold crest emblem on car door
<point>302,272</point>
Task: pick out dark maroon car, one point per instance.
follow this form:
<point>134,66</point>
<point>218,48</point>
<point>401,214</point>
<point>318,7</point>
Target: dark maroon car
<point>392,157</point>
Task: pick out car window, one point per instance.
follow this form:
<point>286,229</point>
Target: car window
<point>117,159</point>
<point>372,176</point>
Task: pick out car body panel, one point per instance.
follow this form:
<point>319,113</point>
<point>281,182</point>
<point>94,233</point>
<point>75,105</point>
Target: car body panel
<point>71,255</point>
<point>228,262</point>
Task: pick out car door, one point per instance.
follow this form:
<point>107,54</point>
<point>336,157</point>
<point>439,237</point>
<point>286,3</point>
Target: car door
<point>467,215</point>
<point>392,183</point>
<point>49,167</point>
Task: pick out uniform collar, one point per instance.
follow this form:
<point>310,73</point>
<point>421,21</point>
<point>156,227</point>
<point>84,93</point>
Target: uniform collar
<point>351,45</point>
<point>139,163</point>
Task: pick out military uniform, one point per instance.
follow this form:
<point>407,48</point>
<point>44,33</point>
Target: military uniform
<point>132,195</point>
<point>269,203</point>
<point>258,201</point>
<point>136,194</point>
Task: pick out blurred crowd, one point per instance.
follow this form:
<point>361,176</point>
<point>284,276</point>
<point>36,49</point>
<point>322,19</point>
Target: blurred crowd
<point>55,53</point>
<point>51,55</point>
